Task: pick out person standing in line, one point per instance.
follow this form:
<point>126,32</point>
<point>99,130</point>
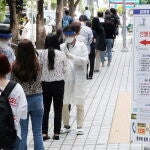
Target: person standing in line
<point>87,13</point>
<point>87,33</point>
<point>110,33</point>
<point>54,67</point>
<point>26,70</point>
<point>115,19</point>
<point>75,81</point>
<point>92,52</point>
<point>67,19</point>
<point>100,44</point>
<point>17,99</point>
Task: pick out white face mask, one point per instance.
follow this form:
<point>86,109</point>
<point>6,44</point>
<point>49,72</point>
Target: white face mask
<point>69,39</point>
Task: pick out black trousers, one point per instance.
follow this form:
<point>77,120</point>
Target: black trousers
<point>92,60</point>
<point>53,91</point>
<point>91,65</point>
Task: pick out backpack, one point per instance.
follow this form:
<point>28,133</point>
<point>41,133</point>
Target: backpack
<point>66,21</point>
<point>115,19</point>
<point>8,132</point>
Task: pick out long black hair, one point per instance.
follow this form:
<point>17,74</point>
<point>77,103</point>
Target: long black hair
<point>51,43</point>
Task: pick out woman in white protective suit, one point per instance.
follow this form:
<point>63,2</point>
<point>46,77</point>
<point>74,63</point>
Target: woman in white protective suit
<point>75,78</point>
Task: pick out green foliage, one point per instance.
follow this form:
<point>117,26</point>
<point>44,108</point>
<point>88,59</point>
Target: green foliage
<point>81,6</point>
<point>144,1</point>
<point>2,10</point>
<point>102,9</point>
<point>53,4</point>
<point>120,9</point>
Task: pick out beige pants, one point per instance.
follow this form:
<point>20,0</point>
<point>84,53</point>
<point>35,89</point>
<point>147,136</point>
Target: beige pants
<point>97,60</point>
<point>80,115</point>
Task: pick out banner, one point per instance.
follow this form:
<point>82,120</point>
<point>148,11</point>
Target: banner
<point>140,117</point>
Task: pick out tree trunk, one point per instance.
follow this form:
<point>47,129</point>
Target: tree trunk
<point>40,29</point>
<point>65,3</point>
<point>14,20</point>
<point>72,6</point>
<point>59,13</point>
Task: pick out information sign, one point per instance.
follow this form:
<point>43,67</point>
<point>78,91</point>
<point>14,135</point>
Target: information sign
<point>140,115</point>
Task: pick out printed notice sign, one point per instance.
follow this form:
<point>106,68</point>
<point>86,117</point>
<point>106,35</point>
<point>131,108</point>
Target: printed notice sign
<point>140,115</point>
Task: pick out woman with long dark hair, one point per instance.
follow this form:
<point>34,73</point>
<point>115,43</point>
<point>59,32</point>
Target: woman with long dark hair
<point>100,45</point>
<point>27,71</point>
<point>54,67</point>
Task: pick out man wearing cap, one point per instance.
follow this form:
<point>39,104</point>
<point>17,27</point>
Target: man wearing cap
<point>5,36</point>
<point>75,78</point>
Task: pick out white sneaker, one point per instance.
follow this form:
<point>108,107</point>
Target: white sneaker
<point>65,130</point>
<point>80,131</point>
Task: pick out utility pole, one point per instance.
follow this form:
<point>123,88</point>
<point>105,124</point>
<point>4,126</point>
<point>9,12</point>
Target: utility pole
<point>124,48</point>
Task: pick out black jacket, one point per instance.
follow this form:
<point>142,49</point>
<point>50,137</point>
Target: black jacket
<point>100,38</point>
<point>110,30</point>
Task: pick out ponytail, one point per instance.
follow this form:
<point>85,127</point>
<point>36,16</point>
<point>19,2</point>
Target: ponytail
<point>51,57</point>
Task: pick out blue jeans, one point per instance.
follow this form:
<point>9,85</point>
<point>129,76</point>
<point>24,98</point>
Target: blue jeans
<point>35,111</point>
<point>102,56</point>
<point>109,45</point>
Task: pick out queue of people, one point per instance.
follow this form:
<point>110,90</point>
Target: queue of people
<point>55,74</point>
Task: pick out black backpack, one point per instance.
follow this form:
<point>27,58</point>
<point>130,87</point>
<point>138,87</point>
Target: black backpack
<point>8,132</point>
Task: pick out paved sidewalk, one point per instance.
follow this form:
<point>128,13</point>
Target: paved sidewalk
<point>102,93</point>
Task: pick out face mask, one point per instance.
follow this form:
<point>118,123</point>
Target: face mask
<point>69,39</point>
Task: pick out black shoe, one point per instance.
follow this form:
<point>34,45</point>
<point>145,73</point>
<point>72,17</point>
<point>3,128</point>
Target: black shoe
<point>45,137</point>
<point>96,71</point>
<point>56,137</point>
<point>87,76</point>
<point>69,107</point>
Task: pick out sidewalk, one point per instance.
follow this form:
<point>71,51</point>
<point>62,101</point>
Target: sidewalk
<point>103,92</point>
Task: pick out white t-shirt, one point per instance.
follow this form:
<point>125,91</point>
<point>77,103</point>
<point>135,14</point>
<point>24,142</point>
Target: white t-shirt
<point>87,13</point>
<point>18,103</point>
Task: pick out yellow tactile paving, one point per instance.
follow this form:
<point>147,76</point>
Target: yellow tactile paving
<point>120,129</point>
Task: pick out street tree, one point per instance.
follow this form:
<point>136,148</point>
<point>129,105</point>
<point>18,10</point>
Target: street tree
<point>14,20</point>
<point>59,13</point>
<point>40,29</point>
<point>72,6</point>
<point>65,2</point>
